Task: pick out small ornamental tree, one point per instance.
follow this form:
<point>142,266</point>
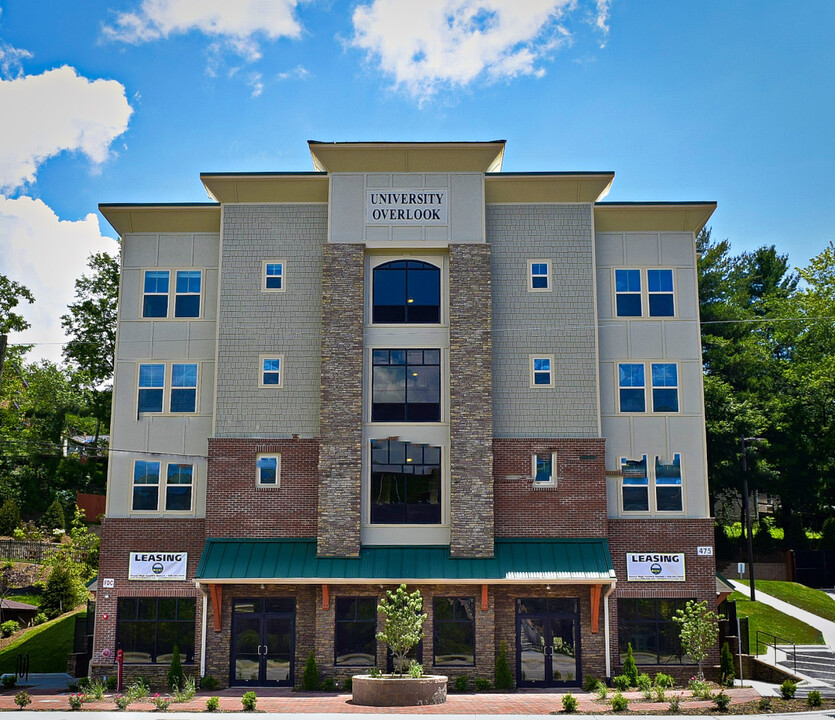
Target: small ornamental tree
<point>727,672</point>
<point>53,518</point>
<point>404,623</point>
<point>175,670</point>
<point>699,630</point>
<point>9,517</point>
<point>630,669</point>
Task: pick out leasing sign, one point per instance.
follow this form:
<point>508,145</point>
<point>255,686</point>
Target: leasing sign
<point>157,566</point>
<point>655,567</point>
<point>406,207</point>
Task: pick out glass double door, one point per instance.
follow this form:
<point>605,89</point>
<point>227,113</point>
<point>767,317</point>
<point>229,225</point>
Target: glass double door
<point>263,641</point>
<point>547,642</point>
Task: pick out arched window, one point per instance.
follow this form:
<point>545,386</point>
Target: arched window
<point>406,291</point>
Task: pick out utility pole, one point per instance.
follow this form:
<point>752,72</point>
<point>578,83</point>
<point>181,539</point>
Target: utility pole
<point>3,340</point>
<point>747,507</point>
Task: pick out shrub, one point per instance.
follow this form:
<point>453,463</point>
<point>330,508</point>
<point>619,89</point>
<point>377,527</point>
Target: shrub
<point>403,627</point>
<point>621,682</point>
<point>111,683</point>
<point>212,703</point>
<point>814,699</point>
<point>39,619</point>
<point>72,686</point>
<point>348,684</point>
<point>726,666</point>
<point>10,627</point>
<point>590,683</point>
<point>787,689</point>
<point>461,683</point>
<point>601,690</point>
<point>763,541</point>
<point>658,694</point>
<point>619,702</point>
<point>123,701</point>
<point>700,689</point>
<point>161,703</point>
<point>53,518</point>
<point>722,700</point>
<point>209,682</point>
<point>827,541</point>
<point>482,684</point>
<point>645,685</point>
<point>22,699</point>
<point>675,704</point>
<point>96,689</point>
<point>137,691</point>
<point>504,678</point>
<point>75,700</point>
<point>62,591</point>
<point>569,703</point>
<point>664,681</point>
<point>9,518</point>
<point>630,669</point>
<point>329,685</point>
<point>84,683</point>
<point>249,700</point>
<point>175,670</point>
<point>310,679</point>
<point>8,681</point>
<point>375,672</point>
<point>764,705</point>
<point>187,693</point>
<point>415,669</point>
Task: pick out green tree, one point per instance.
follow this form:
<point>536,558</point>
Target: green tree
<point>630,669</point>
<point>9,517</point>
<point>726,666</point>
<point>699,630</point>
<point>310,679</point>
<point>53,518</point>
<point>175,671</point>
<point>61,592</point>
<point>11,295</point>
<point>504,678</point>
<point>403,628</point>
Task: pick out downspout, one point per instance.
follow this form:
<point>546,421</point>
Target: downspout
<point>605,628</point>
<point>204,626</point>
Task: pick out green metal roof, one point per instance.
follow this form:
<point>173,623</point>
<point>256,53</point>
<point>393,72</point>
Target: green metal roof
<point>230,560</point>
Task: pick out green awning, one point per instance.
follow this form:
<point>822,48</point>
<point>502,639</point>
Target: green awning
<point>230,560</point>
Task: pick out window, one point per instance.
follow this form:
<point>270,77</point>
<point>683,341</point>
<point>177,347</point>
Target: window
<point>355,641</point>
<point>668,485</point>
<point>405,483</point>
<point>660,293</point>
<point>541,370</point>
<point>544,468</point>
<point>271,375</point>
<point>155,297</point>
<point>151,384</point>
<point>406,386</point>
<point>631,384</point>
<point>628,293</point>
<point>635,485</point>
<point>539,274</point>
<point>147,629</point>
<point>664,387</point>
<point>268,470</point>
<point>183,388</point>
<point>406,291</point>
<point>647,623</point>
<point>179,481</point>
<point>273,275</point>
<point>454,631</point>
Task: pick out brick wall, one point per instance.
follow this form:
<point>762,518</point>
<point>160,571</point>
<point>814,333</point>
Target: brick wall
<point>235,507</point>
<point>340,454</point>
<point>471,406</point>
<point>576,507</point>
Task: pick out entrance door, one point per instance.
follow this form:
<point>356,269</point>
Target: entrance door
<point>263,641</point>
<point>547,642</point>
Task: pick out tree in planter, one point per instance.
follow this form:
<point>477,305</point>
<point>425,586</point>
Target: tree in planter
<point>699,630</point>
<point>404,624</point>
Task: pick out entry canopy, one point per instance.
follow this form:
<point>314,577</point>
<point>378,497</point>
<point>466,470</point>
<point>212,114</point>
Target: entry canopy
<point>520,560</point>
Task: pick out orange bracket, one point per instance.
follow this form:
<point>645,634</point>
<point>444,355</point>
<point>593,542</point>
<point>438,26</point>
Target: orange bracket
<point>484,597</point>
<point>216,594</point>
<point>595,607</point>
<point>326,598</point>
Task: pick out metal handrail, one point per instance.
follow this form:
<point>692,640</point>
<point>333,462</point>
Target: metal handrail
<point>22,666</point>
<point>774,645</point>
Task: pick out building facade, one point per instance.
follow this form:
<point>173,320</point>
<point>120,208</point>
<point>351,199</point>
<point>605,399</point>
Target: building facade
<point>405,366</point>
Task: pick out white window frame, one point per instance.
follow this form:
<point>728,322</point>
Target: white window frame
<point>167,387</point>
<point>140,388</point>
<point>531,366</point>
<point>620,387</point>
<point>639,293</point>
<point>648,387</point>
<point>173,294</point>
<point>261,371</point>
<point>679,485</point>
<point>268,456</point>
<point>166,295</point>
<point>547,275</point>
<point>653,387</point>
<point>653,485</point>
<point>644,293</point>
<point>133,484</point>
<point>162,487</point>
<point>264,276</point>
<point>648,486</point>
<point>553,479</point>
<point>671,293</point>
<point>172,387</point>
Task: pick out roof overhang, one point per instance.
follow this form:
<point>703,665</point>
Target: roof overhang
<point>168,217</point>
<point>688,217</point>
<point>305,187</point>
<point>372,157</point>
<point>579,187</point>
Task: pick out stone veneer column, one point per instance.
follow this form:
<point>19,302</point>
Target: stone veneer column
<point>340,454</point>
<point>471,404</point>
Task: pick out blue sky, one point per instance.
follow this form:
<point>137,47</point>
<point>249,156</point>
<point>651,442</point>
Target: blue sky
<point>128,101</point>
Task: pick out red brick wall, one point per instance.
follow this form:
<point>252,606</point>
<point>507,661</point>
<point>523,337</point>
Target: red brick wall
<point>235,507</point>
<point>576,507</point>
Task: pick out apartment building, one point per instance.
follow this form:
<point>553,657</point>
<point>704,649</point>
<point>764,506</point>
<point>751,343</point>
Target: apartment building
<point>405,366</point>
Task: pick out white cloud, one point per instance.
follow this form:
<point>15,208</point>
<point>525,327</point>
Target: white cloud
<point>10,60</point>
<point>55,111</point>
<point>426,44</point>
<point>297,73</point>
<point>46,254</point>
<point>237,22</point>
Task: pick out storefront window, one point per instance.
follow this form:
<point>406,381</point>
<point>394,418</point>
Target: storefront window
<point>147,629</point>
<point>454,631</point>
<point>647,623</point>
<point>356,628</point>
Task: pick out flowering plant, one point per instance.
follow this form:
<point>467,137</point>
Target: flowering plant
<point>161,703</point>
<point>76,700</point>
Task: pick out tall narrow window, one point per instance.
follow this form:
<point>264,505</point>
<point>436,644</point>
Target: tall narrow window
<point>405,483</point>
<point>668,485</point>
<point>155,294</point>
<point>628,293</point>
<point>178,486</point>
<point>268,470</point>
<point>632,386</point>
<point>355,641</point>
<point>541,370</point>
<point>454,631</point>
<point>544,468</point>
<point>151,385</point>
<point>539,275</point>
<point>406,386</point>
<point>635,485</point>
<point>271,371</point>
<point>187,301</point>
<point>273,276</point>
<point>145,485</point>
<point>184,388</point>
<point>664,387</point>
<point>406,291</point>
<point>660,292</point>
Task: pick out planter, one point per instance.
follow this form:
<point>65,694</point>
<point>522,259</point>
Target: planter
<point>397,691</point>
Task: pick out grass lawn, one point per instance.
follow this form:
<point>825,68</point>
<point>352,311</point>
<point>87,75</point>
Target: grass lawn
<point>48,646</point>
<point>762,617</point>
<point>806,598</point>
<point>31,599</point>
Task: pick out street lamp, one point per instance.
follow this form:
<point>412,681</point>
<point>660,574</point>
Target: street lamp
<point>747,508</point>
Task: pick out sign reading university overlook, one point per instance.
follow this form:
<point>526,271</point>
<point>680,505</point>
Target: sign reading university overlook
<point>406,207</point>
<point>157,566</point>
<point>655,567</point>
